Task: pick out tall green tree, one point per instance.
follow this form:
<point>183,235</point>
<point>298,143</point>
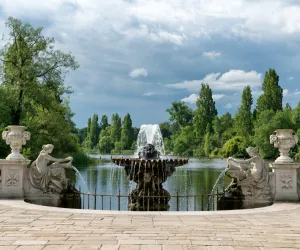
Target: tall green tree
<point>271,99</point>
<point>94,131</point>
<point>181,113</point>
<point>103,122</point>
<point>116,127</point>
<point>127,132</point>
<point>205,112</point>
<point>32,73</point>
<point>243,118</point>
<point>33,70</point>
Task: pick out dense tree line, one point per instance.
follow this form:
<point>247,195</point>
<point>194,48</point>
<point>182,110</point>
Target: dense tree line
<point>114,138</point>
<point>201,132</point>
<point>207,134</point>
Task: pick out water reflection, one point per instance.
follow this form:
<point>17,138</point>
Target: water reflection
<point>197,177</point>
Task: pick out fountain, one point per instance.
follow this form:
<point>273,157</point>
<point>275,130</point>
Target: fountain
<point>149,171</point>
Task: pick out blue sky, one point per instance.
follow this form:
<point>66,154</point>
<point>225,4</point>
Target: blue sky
<point>138,56</point>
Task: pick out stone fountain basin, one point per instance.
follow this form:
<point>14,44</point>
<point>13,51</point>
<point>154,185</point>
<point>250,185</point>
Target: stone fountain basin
<point>128,162</point>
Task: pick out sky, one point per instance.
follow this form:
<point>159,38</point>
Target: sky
<point>138,56</point>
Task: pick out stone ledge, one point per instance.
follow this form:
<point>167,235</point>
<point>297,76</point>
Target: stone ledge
<point>277,207</point>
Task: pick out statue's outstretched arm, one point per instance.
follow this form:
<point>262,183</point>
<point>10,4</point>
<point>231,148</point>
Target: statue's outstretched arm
<point>240,161</point>
<point>50,158</point>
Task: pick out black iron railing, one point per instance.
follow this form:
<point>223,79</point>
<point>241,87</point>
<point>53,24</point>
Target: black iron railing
<point>178,202</point>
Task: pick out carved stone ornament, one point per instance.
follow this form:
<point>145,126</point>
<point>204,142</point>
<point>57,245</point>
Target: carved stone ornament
<point>284,140</point>
<point>15,136</point>
<point>286,180</point>
<point>12,179</point>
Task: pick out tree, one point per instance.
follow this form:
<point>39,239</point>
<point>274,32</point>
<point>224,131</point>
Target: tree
<point>105,144</point>
<point>32,74</point>
<point>204,113</point>
<point>183,142</point>
<point>180,113</point>
<point>127,132</point>
<point>94,131</point>
<point>267,122</point>
<point>116,126</point>
<point>33,70</point>
<point>243,118</point>
<point>103,123</point>
<point>271,99</point>
<point>165,129</point>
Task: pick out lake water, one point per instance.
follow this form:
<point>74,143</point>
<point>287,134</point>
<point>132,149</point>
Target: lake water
<point>196,177</point>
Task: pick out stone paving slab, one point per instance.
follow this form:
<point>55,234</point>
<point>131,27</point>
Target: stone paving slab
<point>27,226</point>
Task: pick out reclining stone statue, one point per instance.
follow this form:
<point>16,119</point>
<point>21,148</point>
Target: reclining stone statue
<point>250,176</point>
<point>47,176</point>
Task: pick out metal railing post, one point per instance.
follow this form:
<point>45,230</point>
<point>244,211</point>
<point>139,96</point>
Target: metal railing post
<point>119,200</point>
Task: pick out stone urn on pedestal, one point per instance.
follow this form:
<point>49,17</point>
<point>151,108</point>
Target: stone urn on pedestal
<point>284,167</point>
<point>13,168</point>
<point>15,136</point>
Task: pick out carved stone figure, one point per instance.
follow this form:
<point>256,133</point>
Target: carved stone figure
<point>48,173</point>
<point>250,176</point>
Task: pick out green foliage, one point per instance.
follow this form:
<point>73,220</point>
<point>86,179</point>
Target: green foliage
<point>105,144</point>
<point>169,147</point>
<point>235,147</point>
<point>207,144</point>
<point>204,113</point>
<point>267,122</point>
<point>104,122</point>
<point>183,143</point>
<point>82,159</point>
<point>116,126</point>
<point>165,129</point>
<point>94,131</point>
<point>127,132</point>
<point>33,71</point>
<point>243,122</point>
<point>180,113</point>
<point>271,99</point>
<point>33,91</point>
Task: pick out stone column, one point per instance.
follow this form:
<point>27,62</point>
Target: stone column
<point>12,178</point>
<point>286,181</point>
<point>13,169</point>
<point>284,167</point>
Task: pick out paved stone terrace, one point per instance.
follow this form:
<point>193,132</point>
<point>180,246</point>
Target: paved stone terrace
<point>26,226</point>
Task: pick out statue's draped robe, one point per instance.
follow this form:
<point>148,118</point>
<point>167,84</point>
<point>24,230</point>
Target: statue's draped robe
<point>48,177</point>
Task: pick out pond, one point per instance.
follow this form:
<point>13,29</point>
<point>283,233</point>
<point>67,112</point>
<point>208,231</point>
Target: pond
<point>196,177</point>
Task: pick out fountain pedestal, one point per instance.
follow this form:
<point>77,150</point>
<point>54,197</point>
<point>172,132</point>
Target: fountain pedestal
<point>285,181</point>
<point>284,167</point>
<point>12,176</point>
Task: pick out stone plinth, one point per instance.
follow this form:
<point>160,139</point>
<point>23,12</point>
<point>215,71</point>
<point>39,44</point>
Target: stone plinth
<point>12,178</point>
<point>286,181</point>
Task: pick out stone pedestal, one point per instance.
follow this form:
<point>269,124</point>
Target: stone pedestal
<point>286,181</point>
<point>12,178</point>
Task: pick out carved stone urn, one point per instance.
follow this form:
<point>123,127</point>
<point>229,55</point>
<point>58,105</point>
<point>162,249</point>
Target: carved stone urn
<point>15,136</point>
<point>284,140</point>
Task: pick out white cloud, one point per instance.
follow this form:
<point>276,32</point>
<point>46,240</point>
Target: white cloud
<point>285,92</point>
<point>231,80</point>
<point>217,96</point>
<point>149,94</point>
<point>290,78</point>
<point>138,72</point>
<point>297,93</point>
<point>228,106</point>
<point>163,37</point>
<point>190,99</point>
<point>212,54</point>
<point>194,97</point>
